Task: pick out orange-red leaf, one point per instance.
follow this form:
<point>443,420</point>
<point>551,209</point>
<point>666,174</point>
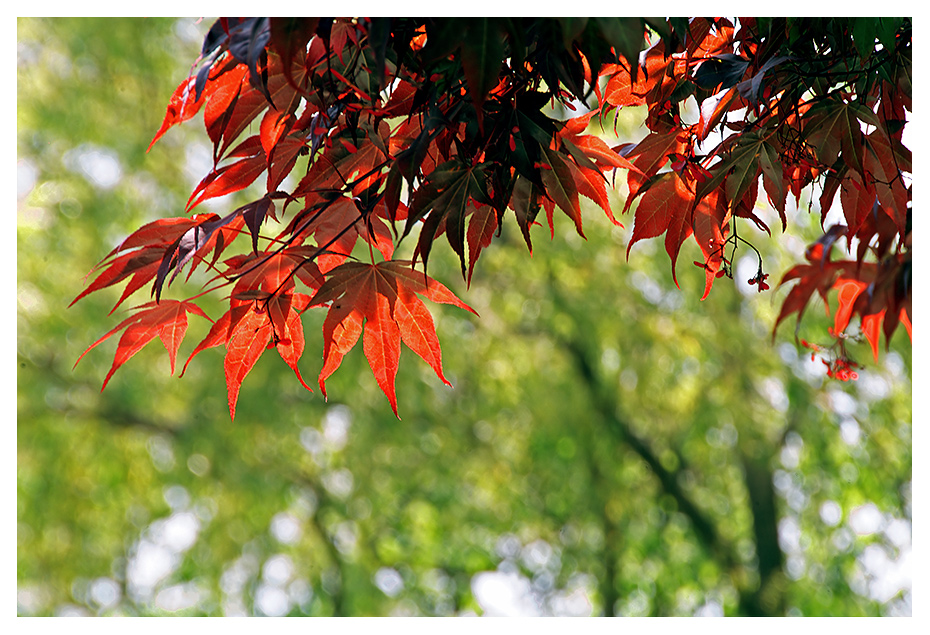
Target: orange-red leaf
<point>383,295</point>
<point>338,166</point>
<point>848,291</point>
<point>290,340</point>
<point>275,273</point>
<point>649,155</point>
<point>870,327</point>
<point>591,183</point>
<point>141,264</point>
<point>883,165</point>
<point>246,330</point>
<point>665,199</point>
<point>711,226</point>
<point>229,178</point>
<point>181,107</point>
<point>381,344</point>
<point>561,189</point>
<point>275,124</point>
<point>417,329</point>
<point>858,200</point>
<point>247,340</point>
<point>235,103</point>
<point>166,320</point>
<point>481,229</point>
<point>341,330</point>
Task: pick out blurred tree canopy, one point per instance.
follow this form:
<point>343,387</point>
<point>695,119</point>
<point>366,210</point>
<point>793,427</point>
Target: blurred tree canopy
<point>549,481</point>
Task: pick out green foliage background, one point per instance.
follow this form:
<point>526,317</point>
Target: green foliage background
<point>612,445</point>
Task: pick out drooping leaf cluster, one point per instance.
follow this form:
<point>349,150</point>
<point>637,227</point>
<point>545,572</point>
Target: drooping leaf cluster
<point>405,127</point>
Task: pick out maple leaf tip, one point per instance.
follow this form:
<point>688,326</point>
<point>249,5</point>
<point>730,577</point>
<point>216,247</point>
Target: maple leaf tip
<point>301,379</point>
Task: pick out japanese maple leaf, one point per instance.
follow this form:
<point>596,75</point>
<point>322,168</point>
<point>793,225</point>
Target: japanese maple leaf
<point>382,298</point>
<point>274,272</point>
<point>234,176</point>
<point>481,230</point>
<point>340,226</point>
<point>249,328</point>
<point>884,165</point>
<point>342,163</point>
<point>166,320</point>
<point>835,127</point>
<point>668,207</point>
<point>446,199</point>
<point>706,38</point>
<point>853,284</point>
<point>586,148</point>
<point>819,275</point>
<point>871,295</point>
<point>666,200</point>
<point>236,103</point>
<point>149,243</point>
<point>231,102</point>
<point>141,265</point>
<point>627,87</point>
<point>711,225</point>
<point>182,106</point>
<point>649,155</point>
<point>561,189</point>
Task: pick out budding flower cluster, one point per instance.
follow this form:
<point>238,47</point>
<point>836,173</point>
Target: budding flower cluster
<point>760,279</point>
<point>841,367</point>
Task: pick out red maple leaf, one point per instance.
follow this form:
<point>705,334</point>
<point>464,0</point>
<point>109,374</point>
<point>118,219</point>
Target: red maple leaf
<point>149,243</point>
<point>249,328</point>
<point>166,320</point>
<point>181,107</point>
<point>342,222</point>
<point>234,176</point>
<point>481,230</point>
<point>668,207</point>
<point>383,296</point>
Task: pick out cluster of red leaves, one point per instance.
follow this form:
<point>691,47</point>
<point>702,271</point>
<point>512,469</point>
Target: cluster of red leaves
<point>775,123</point>
<point>438,125</point>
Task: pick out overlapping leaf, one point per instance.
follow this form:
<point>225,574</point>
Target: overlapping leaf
<point>234,176</point>
<point>247,329</point>
<point>144,251</point>
<point>560,189</point>
<point>442,203</point>
<point>384,296</point>
<point>649,156</point>
<point>835,127</point>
